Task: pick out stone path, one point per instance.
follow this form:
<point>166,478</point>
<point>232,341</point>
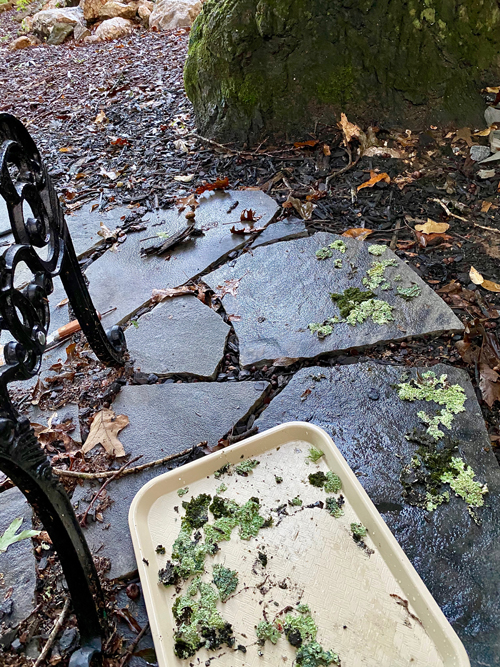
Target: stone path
<point>272,287</point>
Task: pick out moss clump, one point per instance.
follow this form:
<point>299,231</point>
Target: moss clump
<point>409,293</point>
<point>314,455</point>
<point>317,479</point>
<point>222,470</point>
<point>313,655</point>
<point>226,581</point>
<point>338,245</point>
<point>249,519</point>
<point>300,629</point>
<point>358,531</point>
<point>196,511</point>
<point>460,477</point>
<point>182,492</point>
<point>324,253</point>
<point>221,488</point>
<point>297,502</point>
<point>223,507</point>
<point>160,549</point>
<point>350,299</point>
<point>220,530</point>
<point>376,274</point>
<point>334,507</point>
<point>377,249</point>
<point>333,483</point>
<point>278,479</point>
<point>427,387</point>
<point>199,624</point>
<point>267,631</point>
<point>188,555</point>
<point>303,608</point>
<point>246,466</point>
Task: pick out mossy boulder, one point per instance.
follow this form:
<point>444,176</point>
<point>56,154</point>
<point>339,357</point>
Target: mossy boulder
<point>279,67</point>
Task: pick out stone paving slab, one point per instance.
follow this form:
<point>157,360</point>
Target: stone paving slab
<point>283,287</point>
<point>283,230</point>
<point>164,419</point>
<point>458,560</point>
<point>68,411</point>
<point>17,565</point>
<point>125,280</point>
<point>180,336</point>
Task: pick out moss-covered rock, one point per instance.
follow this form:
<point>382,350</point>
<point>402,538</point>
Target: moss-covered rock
<point>270,67</point>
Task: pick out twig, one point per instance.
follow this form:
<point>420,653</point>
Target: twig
<point>83,521</point>
<point>133,645</point>
<point>344,169</point>
<point>128,471</point>
<point>52,637</point>
<point>394,240</point>
<point>242,436</point>
<point>210,142</point>
<point>489,229</point>
<point>448,212</point>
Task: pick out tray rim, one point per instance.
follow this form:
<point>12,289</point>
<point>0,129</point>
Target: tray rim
<point>456,656</point>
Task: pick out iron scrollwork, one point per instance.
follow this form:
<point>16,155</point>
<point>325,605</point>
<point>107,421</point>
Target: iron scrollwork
<point>44,246</point>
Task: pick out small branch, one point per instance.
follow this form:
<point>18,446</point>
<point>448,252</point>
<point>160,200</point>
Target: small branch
<point>133,645</point>
<point>232,439</point>
<point>83,521</point>
<point>489,229</point>
<point>346,168</point>
<point>127,471</point>
<point>52,637</point>
<point>394,240</point>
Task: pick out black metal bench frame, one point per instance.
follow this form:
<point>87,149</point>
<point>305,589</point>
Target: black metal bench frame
<point>25,314</point>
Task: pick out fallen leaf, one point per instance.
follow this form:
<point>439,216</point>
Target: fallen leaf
<point>181,146</point>
<point>305,394</point>
<point>119,141</point>
<point>112,175</point>
<point>475,276</point>
<point>465,135</point>
<point>66,149</point>
<point>485,206</point>
<point>11,536</point>
<point>106,233</point>
<point>190,201</point>
<point>383,151</point>
<point>359,233</point>
<point>425,240</point>
<point>101,117</point>
<point>62,303</point>
<point>431,227</point>
<point>349,130</point>
<point>56,431</point>
<point>306,144</point>
<point>220,184</point>
<point>484,133</point>
<point>162,294</point>
<point>248,215</point>
<point>229,287</point>
<point>492,89</point>
<point>184,179</point>
<point>304,209</point>
<point>326,150</point>
<point>489,384</point>
<point>104,431</point>
<point>246,230</point>
<point>490,286</point>
<point>374,179</point>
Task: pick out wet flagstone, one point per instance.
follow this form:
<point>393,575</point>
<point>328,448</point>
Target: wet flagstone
<point>283,287</point>
<point>283,230</point>
<point>179,336</point>
<point>125,280</point>
<point>458,560</point>
<point>164,419</point>
<point>17,567</point>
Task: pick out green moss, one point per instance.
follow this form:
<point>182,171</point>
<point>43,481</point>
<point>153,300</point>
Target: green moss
<point>314,454</point>
<point>222,471</point>
<point>377,249</point>
<point>278,479</point>
<point>223,507</point>
<point>376,274</point>
<point>246,466</point>
<point>350,299</point>
<point>182,492</point>
<point>226,581</point>
<point>338,245</point>
<point>334,508</point>
<point>196,511</point>
<point>249,519</point>
<point>333,483</point>
<point>300,629</point>
<point>303,608</point>
<point>317,479</point>
<point>267,631</point>
<point>337,86</point>
<point>313,655</point>
<point>221,488</point>
<point>433,502</point>
<point>324,253</point>
<point>409,293</point>
<point>337,264</point>
<point>296,501</point>
<point>188,555</point>
<point>220,530</point>
<point>358,531</point>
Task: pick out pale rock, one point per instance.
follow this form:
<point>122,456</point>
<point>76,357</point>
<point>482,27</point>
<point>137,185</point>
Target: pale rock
<point>112,29</point>
<point>61,20</point>
<point>144,13</point>
<point>92,9</point>
<point>169,14</point>
<point>80,32</point>
<point>6,6</point>
<point>113,9</point>
<point>147,3</point>
<point>20,43</point>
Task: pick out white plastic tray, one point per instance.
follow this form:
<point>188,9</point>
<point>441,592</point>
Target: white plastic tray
<point>374,611</point>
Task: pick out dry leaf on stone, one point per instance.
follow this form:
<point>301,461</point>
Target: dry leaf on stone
<point>220,184</point>
<point>101,117</point>
<point>359,233</point>
<point>184,179</point>
<point>66,149</point>
<point>229,287</point>
<point>104,431</point>
<point>374,179</point>
<point>489,384</point>
<point>62,303</point>
<point>190,201</point>
<point>475,276</point>
<point>246,230</point>
<point>249,215</point>
<point>432,227</point>
<point>56,432</point>
<point>304,209</point>
<point>349,130</point>
<point>106,233</point>
<point>162,294</point>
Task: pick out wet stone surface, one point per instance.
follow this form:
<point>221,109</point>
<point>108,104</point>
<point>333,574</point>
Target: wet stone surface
<point>164,419</point>
<point>17,566</point>
<point>179,336</point>
<point>458,560</point>
<point>125,280</point>
<point>284,287</point>
<point>283,230</point>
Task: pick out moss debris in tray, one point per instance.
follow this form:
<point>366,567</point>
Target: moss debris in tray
<point>358,531</point>
<point>409,293</point>
<point>435,465</point>
<point>428,387</point>
<point>313,655</point>
<point>334,507</point>
<point>314,455</point>
<point>182,492</point>
<point>266,631</point>
<point>300,629</point>
<point>329,481</point>
<point>246,467</point>
<point>196,511</point>
<point>278,479</point>
<point>221,488</point>
<point>199,623</point>
<point>295,501</point>
<point>226,581</point>
<point>376,274</point>
<point>377,250</point>
<point>222,470</point>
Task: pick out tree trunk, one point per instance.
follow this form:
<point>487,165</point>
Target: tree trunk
<point>260,68</point>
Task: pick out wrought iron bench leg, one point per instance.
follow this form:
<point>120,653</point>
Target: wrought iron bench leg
<point>25,314</point>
